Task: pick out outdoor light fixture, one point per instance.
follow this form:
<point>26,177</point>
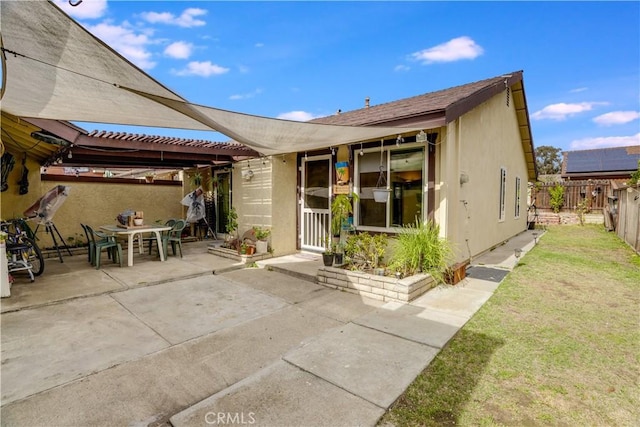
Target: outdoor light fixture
<point>399,140</point>
<point>49,139</point>
<point>517,252</point>
<point>333,151</point>
<point>464,178</point>
<point>421,137</point>
<point>305,155</point>
<point>535,237</point>
<point>70,155</point>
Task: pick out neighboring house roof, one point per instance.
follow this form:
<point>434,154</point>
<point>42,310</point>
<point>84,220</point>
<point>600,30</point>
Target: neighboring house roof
<point>605,162</point>
<point>438,108</point>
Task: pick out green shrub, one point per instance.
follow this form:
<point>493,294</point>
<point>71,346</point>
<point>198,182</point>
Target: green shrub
<point>365,251</point>
<point>556,197</point>
<point>261,233</point>
<point>419,248</point>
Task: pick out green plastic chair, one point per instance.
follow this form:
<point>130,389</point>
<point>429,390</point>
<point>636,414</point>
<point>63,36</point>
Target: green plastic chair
<point>174,236</point>
<point>102,241</point>
<point>152,239</point>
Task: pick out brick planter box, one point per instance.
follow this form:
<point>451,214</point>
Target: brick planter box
<point>378,287</point>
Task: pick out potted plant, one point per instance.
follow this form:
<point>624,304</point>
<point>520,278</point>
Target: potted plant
<point>262,235</point>
<point>327,255</point>
<point>338,254</point>
<point>341,208</point>
<point>196,179</point>
<point>232,222</point>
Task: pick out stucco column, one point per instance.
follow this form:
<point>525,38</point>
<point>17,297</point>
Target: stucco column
<point>449,181</point>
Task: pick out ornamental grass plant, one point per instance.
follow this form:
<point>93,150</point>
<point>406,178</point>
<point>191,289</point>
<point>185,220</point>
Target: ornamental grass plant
<point>419,248</point>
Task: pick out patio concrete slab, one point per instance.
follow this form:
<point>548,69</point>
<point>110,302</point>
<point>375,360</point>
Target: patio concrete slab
<point>281,395</point>
<point>48,346</point>
<point>148,270</point>
<point>455,300</point>
<point>373,365</point>
<point>186,309</point>
<point>479,284</point>
<point>51,287</point>
<point>405,322</point>
<point>291,289</point>
<point>503,256</point>
<point>341,306</point>
<point>150,389</point>
<point>303,265</point>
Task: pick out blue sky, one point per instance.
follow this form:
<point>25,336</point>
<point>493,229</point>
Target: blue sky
<point>300,60</point>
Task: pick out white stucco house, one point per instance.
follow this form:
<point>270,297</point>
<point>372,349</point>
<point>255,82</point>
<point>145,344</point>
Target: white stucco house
<point>466,167</point>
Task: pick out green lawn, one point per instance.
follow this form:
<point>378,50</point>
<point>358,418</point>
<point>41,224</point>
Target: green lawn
<point>557,344</point>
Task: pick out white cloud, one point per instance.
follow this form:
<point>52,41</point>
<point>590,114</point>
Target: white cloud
<point>259,44</point>
<point>186,20</point>
<point>246,95</point>
<point>298,116</point>
<point>243,69</point>
<point>202,69</point>
<point>453,50</point>
<point>562,110</point>
<point>179,50</point>
<point>605,142</point>
<point>126,41</point>
<point>401,68</point>
<point>578,90</point>
<point>617,118</point>
<point>86,10</point>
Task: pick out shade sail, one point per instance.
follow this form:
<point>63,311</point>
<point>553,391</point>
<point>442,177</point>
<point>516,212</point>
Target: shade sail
<point>55,69</point>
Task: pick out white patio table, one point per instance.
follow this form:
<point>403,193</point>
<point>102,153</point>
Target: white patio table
<point>130,232</point>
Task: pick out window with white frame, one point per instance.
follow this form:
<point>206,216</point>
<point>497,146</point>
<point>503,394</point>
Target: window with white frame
<point>517,213</point>
<point>503,192</point>
<point>404,171</point>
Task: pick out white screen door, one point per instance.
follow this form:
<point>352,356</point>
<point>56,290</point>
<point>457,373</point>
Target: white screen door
<point>316,196</point>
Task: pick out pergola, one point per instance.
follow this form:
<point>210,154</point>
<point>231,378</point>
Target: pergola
<point>49,141</point>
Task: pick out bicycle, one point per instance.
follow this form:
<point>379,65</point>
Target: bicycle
<point>23,252</point>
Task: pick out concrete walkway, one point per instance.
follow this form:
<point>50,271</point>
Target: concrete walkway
<point>141,346</point>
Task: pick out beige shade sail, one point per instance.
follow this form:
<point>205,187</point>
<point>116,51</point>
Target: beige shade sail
<point>54,69</point>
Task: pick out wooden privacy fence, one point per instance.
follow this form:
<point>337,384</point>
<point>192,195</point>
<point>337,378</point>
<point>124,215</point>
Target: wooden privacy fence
<point>595,191</point>
<point>626,216</point>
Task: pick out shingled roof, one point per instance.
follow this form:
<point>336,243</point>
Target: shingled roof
<point>442,103</point>
<point>435,109</point>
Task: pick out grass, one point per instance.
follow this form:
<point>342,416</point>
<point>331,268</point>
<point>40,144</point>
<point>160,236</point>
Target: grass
<point>557,344</point>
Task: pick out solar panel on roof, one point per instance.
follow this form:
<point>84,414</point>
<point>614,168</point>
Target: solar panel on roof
<point>603,160</point>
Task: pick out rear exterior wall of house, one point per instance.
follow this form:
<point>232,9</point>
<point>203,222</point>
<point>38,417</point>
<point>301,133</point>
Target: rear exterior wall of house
<point>265,195</point>
<point>483,147</point>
